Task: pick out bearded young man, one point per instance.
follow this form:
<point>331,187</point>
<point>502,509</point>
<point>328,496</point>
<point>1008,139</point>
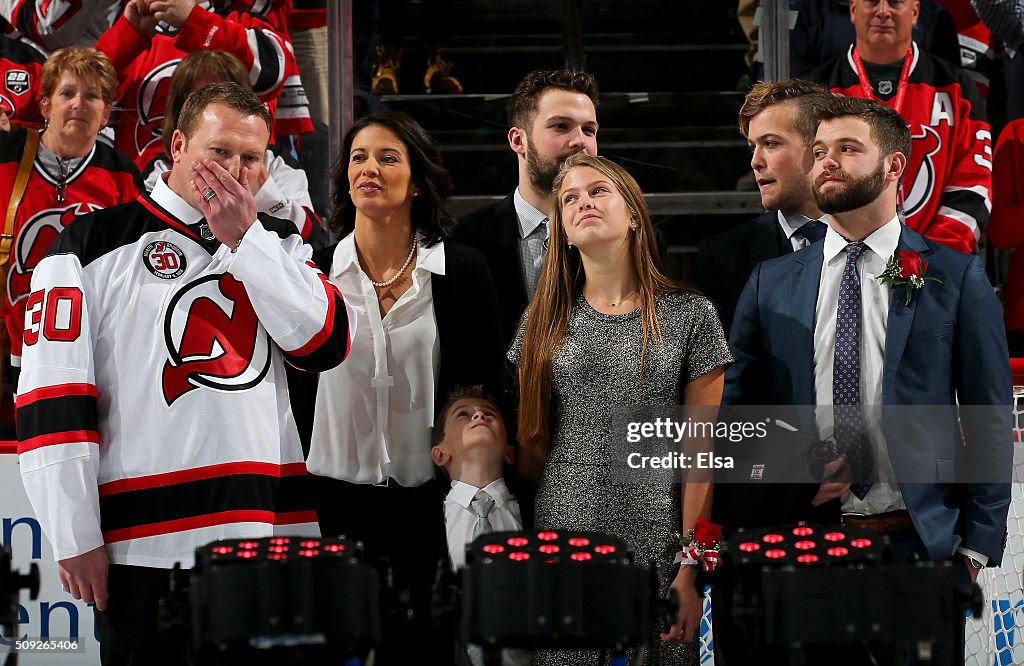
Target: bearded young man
<point>552,115</point>
<point>818,327</point>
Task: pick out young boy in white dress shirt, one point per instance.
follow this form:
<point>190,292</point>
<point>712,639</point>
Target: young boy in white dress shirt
<point>471,445</point>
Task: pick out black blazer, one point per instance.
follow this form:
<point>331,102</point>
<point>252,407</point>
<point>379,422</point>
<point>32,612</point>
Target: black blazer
<point>725,260</point>
<point>494,231</point>
<point>466,311</point>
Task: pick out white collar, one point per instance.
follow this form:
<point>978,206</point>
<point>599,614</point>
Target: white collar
<point>428,259</point>
<point>173,204</point>
<point>463,493</point>
<point>790,225</point>
<point>882,241</point>
<point>529,217</point>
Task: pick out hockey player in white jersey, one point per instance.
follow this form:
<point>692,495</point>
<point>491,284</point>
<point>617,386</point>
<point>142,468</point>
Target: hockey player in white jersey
<point>153,413</point>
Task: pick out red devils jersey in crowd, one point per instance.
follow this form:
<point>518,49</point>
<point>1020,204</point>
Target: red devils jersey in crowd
<point>947,183</point>
<point>20,65</point>
<point>54,24</point>
<point>1006,228</point>
<point>103,179</point>
<point>975,42</point>
<point>152,389</point>
<point>145,66</point>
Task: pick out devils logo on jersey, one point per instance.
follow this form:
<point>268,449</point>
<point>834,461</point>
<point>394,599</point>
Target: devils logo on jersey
<point>35,237</point>
<point>153,94</point>
<point>214,339</point>
<point>919,179</point>
<point>7,106</point>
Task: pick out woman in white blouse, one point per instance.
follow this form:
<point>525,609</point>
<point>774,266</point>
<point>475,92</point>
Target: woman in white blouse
<point>427,321</point>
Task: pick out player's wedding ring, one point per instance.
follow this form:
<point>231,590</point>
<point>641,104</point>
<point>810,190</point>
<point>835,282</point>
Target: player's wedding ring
<point>209,195</point>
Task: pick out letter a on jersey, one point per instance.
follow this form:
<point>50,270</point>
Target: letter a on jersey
<point>213,338</point>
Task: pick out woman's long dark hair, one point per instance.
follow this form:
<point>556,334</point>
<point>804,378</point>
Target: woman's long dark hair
<point>430,216</point>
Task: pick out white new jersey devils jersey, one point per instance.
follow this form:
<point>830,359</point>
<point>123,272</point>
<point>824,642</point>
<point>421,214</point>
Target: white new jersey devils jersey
<point>153,411</point>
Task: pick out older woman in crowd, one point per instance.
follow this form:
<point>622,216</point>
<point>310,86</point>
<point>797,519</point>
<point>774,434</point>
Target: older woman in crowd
<point>607,329</point>
<point>51,177</point>
<point>279,189</point>
<point>427,321</point>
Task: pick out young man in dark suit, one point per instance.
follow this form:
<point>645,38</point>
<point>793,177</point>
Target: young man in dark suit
<point>777,121</point>
<point>916,375</point>
<point>552,115</point>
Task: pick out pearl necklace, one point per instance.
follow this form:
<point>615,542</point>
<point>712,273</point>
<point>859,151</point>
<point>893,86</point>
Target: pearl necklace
<point>394,278</point>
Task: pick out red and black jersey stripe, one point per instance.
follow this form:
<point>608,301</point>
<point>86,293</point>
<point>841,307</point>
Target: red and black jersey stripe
<point>52,415</point>
<point>325,350</point>
<point>202,497</point>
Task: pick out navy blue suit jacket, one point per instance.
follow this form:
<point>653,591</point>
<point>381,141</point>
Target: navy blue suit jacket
<point>947,347</point>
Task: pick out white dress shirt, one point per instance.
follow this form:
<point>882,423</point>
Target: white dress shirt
<point>459,519</point>
<point>884,495</point>
<point>374,411</point>
<point>790,225</point>
<point>531,241</point>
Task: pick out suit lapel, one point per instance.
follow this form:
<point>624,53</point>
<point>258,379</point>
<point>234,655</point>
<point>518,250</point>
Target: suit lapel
<point>901,315</point>
<point>766,241</point>
<point>506,234</point>
<point>804,298</point>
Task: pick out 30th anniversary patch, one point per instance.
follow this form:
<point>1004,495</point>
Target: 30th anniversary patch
<point>164,260</point>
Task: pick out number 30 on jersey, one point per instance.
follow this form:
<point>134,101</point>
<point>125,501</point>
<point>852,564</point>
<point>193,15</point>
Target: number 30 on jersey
<point>56,314</point>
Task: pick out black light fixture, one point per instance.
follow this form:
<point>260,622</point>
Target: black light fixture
<point>557,589</point>
<point>283,600</point>
<point>801,585</point>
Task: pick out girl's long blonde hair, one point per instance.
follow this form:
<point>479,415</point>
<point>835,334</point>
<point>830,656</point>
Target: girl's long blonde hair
<point>561,280</point>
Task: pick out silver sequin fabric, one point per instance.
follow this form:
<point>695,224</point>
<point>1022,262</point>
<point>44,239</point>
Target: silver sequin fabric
<point>596,370</point>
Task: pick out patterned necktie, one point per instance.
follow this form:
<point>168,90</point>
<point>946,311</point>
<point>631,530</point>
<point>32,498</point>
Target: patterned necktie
<point>481,506</point>
<point>849,426</point>
<point>813,231</point>
<point>547,234</point>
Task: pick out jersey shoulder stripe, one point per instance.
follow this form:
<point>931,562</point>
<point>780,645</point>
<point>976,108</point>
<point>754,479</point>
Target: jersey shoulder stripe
<point>101,232</point>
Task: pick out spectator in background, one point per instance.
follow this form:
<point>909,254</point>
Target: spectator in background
<point>21,63</point>
<point>975,40</point>
<point>435,32</point>
<point>58,24</point>
<point>280,190</point>
<point>823,32</point>
<point>428,321</point>
<point>1005,18</point>
<point>148,40</point>
<point>945,191</point>
<point>71,174</point>
<point>308,28</point>
<point>1006,225</point>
